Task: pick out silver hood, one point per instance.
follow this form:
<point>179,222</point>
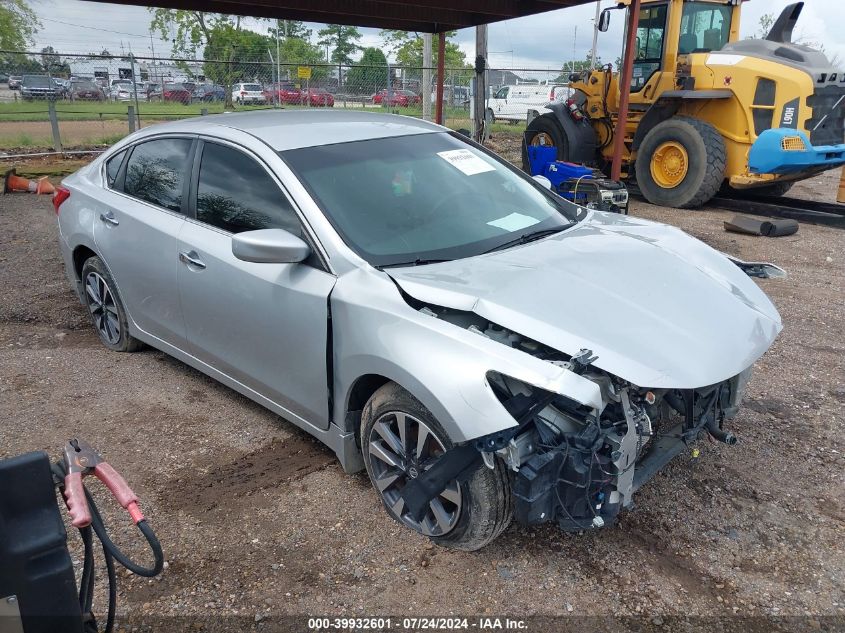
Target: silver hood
<point>659,308</point>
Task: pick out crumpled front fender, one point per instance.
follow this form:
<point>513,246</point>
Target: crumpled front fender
<point>443,365</point>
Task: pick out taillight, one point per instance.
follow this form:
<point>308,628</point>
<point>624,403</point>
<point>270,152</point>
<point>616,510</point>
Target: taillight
<point>60,196</point>
<point>243,93</point>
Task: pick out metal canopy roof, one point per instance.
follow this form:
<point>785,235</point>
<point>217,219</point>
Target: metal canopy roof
<point>426,16</point>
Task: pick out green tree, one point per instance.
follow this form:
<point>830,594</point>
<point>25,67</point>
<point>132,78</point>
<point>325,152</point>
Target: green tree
<point>408,49</point>
<point>290,28</point>
<point>18,24</point>
<point>189,31</point>
<point>369,74</point>
<point>298,52</point>
<point>342,39</point>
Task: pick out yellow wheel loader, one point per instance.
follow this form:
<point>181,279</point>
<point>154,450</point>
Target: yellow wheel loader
<point>708,111</point>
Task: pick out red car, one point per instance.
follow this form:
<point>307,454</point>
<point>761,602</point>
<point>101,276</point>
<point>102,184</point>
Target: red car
<point>319,98</point>
<point>284,93</point>
<point>398,98</point>
<point>172,92</point>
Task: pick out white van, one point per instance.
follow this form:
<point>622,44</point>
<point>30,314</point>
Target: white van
<point>511,103</point>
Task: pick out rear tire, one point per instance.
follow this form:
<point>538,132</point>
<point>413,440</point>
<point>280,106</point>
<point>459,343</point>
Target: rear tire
<point>544,130</point>
<point>106,308</point>
<point>483,509</point>
<point>697,170</point>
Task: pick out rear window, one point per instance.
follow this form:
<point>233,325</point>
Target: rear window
<point>253,87</point>
<point>156,171</point>
<point>113,167</point>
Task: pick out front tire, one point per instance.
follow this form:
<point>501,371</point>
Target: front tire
<point>544,130</point>
<point>106,308</point>
<point>400,438</point>
<point>681,163</point>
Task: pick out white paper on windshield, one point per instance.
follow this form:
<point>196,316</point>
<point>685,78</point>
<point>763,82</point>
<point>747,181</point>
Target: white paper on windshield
<point>514,222</point>
<point>466,161</point>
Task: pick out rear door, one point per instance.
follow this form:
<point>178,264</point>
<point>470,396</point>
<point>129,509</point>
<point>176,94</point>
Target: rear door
<point>265,325</point>
<point>136,231</point>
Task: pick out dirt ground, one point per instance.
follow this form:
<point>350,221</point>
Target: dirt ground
<point>257,519</point>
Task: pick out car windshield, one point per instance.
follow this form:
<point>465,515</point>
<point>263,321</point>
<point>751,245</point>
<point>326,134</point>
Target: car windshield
<point>173,87</point>
<point>427,197</point>
<point>39,81</point>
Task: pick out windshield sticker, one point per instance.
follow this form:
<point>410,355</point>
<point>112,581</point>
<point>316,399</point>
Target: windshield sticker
<point>514,222</point>
<point>466,161</point>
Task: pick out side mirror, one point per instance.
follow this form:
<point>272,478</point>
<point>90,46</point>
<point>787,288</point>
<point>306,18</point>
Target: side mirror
<point>269,246</point>
<point>604,20</point>
<point>543,181</point>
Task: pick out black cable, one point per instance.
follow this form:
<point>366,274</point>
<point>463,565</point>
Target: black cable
<point>110,553</point>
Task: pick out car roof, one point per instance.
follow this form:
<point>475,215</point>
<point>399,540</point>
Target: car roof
<point>295,129</point>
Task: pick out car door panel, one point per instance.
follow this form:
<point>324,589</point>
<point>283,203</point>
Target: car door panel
<point>265,325</point>
<point>138,242</point>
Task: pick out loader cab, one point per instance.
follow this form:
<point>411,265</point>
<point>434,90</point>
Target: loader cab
<point>669,31</point>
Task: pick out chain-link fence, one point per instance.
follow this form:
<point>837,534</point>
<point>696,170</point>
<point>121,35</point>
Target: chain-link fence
<point>82,100</point>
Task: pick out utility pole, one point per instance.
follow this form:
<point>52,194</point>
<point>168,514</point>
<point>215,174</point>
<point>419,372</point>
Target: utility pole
<point>426,78</point>
<point>480,98</point>
<point>595,35</point>
<point>278,64</point>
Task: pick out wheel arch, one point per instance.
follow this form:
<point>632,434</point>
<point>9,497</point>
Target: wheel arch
<point>81,253</point>
<point>668,105</point>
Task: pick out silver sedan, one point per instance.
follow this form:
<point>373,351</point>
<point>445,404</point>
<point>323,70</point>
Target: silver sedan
<point>484,348</point>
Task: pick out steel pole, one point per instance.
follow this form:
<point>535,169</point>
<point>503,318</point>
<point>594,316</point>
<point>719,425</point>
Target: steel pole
<point>595,35</point>
<point>441,76</point>
<point>625,89</point>
<point>426,78</point>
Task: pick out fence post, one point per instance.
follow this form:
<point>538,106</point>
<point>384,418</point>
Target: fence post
<point>54,124</point>
<point>203,111</point>
<point>130,113</point>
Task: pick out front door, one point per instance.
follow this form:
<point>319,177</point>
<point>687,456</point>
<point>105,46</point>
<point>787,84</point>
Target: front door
<point>265,325</point>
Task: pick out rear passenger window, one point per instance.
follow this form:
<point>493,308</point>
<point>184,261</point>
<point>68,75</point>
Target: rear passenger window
<point>113,166</point>
<point>236,194</point>
<point>156,172</point>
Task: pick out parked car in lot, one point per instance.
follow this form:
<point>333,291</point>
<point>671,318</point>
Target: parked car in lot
<point>207,93</point>
<point>318,98</point>
<point>86,90</point>
<point>244,93</point>
<point>511,103</point>
<point>483,347</point>
<point>15,82</point>
<point>4,78</point>
<point>397,98</point>
<point>40,87</point>
<point>173,93</point>
<point>284,92</point>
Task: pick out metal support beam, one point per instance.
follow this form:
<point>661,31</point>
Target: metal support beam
<point>441,76</point>
<point>625,89</point>
<point>426,78</point>
<point>479,104</point>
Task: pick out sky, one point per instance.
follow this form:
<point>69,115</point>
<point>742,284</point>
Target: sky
<point>542,42</point>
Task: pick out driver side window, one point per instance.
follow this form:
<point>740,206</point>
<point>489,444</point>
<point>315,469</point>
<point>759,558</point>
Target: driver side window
<point>236,194</point>
<point>503,93</point>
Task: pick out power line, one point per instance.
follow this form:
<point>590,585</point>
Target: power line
<point>93,28</point>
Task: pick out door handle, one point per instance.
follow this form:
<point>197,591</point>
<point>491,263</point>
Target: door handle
<point>191,258</point>
<point>109,217</point>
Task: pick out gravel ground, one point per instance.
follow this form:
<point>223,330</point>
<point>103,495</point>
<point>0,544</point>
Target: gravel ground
<point>258,520</point>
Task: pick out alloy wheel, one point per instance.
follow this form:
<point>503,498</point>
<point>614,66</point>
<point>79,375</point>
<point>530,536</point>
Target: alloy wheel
<point>401,447</point>
<point>102,306</point>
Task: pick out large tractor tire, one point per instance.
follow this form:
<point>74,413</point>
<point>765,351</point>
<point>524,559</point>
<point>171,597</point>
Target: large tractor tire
<point>681,163</point>
<point>544,130</point>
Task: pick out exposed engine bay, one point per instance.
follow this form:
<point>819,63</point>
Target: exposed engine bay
<point>569,463</point>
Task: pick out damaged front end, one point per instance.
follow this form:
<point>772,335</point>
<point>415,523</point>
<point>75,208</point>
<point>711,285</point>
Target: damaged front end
<point>572,464</point>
